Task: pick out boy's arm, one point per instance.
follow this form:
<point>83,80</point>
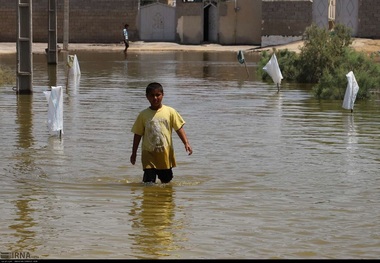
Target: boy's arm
<point>182,135</point>
<point>136,142</point>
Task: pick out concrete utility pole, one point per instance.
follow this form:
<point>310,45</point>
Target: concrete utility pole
<point>52,52</point>
<point>66,10</point>
<point>24,43</point>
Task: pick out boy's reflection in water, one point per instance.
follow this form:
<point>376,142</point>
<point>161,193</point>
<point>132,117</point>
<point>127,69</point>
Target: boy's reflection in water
<point>153,221</point>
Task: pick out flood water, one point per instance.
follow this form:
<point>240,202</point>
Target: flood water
<point>272,175</point>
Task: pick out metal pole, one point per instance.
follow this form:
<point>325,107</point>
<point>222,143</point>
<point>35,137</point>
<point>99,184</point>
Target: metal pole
<point>24,47</point>
<point>66,10</point>
<point>52,52</point>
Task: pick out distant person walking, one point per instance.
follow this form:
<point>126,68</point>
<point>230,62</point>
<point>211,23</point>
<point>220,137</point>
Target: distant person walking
<point>126,39</point>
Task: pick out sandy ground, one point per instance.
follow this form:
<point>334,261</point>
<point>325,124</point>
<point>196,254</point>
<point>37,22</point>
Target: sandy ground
<point>359,44</point>
<point>366,45</point>
<point>7,48</point>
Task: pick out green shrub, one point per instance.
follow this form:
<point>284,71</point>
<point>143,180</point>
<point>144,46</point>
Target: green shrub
<point>287,60</point>
<point>367,74</point>
<point>325,59</point>
<point>288,64</point>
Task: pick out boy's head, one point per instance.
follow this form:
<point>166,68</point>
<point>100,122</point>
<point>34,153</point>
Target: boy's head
<point>154,86</point>
<point>154,93</point>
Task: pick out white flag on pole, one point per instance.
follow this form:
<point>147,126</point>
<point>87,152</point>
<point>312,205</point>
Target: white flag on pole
<point>351,92</point>
<point>73,63</point>
<point>273,69</point>
<point>55,109</point>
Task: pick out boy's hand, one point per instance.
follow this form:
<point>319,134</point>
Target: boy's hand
<point>133,158</point>
<point>188,148</point>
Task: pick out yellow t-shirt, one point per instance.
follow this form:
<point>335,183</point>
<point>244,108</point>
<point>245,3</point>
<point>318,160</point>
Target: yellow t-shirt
<point>156,128</point>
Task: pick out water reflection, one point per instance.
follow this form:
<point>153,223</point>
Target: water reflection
<point>56,146</point>
<point>25,120</point>
<point>352,139</point>
<point>153,226</point>
<point>24,222</point>
<point>73,83</point>
<point>351,146</point>
<point>24,228</point>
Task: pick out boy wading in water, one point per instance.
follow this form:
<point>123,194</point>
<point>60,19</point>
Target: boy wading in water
<point>155,125</point>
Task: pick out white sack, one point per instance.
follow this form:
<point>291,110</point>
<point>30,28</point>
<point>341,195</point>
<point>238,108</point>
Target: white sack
<point>351,92</point>
<point>72,62</point>
<point>273,69</point>
<point>55,109</point>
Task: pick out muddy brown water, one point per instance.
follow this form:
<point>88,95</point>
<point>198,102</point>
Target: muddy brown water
<point>273,175</point>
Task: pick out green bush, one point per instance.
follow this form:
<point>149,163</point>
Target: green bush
<point>333,82</point>
<point>325,59</point>
<point>287,60</point>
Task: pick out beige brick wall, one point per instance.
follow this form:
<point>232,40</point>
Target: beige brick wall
<point>101,21</point>
<point>8,20</point>
<point>286,18</point>
<point>291,17</point>
<point>91,21</point>
<point>369,19</point>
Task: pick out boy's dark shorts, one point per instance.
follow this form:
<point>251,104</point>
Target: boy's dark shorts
<point>164,175</point>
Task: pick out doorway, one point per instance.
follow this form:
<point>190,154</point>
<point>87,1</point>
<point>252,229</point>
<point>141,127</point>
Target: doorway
<point>210,18</point>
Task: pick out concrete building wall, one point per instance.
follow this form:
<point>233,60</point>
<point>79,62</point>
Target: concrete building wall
<point>188,30</point>
<point>240,22</point>
<point>189,23</point>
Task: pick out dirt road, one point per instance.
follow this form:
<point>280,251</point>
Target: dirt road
<point>7,48</point>
<point>359,44</point>
<point>366,45</point>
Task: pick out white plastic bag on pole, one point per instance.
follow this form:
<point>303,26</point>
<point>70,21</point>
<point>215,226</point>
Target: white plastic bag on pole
<point>273,69</point>
<point>55,110</point>
<point>72,62</point>
<point>351,92</point>
<point>73,72</point>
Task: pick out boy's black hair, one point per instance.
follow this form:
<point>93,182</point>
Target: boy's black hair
<point>154,86</point>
